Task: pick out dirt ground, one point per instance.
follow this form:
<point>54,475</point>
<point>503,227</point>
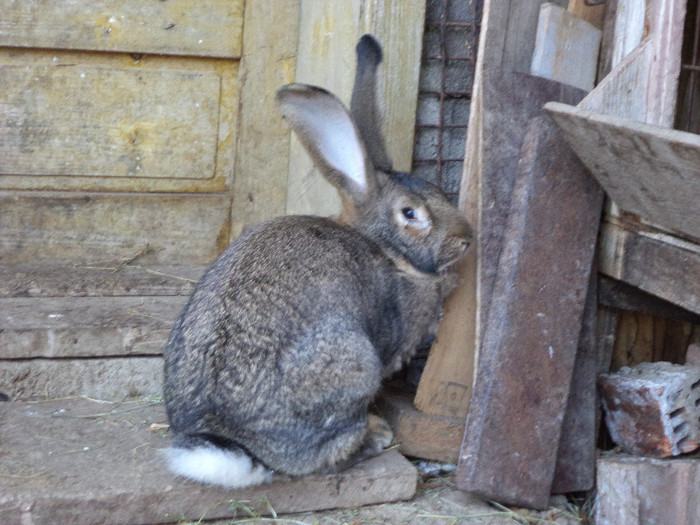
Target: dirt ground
<point>437,501</point>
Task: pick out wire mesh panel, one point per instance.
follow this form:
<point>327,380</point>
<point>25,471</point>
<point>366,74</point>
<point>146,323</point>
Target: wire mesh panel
<point>688,114</point>
<point>447,72</point>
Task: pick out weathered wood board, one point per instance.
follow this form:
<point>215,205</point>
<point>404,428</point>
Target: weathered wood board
<point>80,461</point>
<point>86,326</point>
<point>566,48</point>
<point>507,40</point>
<point>175,27</point>
<point>119,277</point>
<point>111,378</point>
<point>574,470</point>
<point>262,153</point>
<point>643,84</point>
<point>530,339</point>
<point>418,434</point>
<point>77,121</point>
<point>108,122</point>
<point>648,170</point>
<point>662,265</point>
<point>101,228</point>
<point>641,491</point>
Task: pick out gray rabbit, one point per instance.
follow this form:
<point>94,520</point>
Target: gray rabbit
<point>283,345</point>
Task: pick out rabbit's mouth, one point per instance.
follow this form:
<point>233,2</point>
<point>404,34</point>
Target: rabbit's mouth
<point>453,251</point>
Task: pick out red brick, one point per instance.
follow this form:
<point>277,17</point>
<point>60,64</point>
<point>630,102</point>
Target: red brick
<point>651,409</point>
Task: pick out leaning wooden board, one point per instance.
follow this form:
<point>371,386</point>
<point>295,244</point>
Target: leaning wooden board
<point>649,170</point>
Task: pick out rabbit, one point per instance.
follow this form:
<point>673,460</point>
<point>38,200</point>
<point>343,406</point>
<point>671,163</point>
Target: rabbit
<point>283,345</point>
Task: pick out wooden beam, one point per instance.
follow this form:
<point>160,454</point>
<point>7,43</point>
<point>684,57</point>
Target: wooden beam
<point>269,59</point>
<point>176,27</point>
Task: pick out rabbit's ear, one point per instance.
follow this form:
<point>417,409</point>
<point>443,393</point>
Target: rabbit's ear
<point>364,105</point>
<point>328,133</point>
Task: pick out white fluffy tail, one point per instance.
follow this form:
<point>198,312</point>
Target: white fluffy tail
<point>217,466</point>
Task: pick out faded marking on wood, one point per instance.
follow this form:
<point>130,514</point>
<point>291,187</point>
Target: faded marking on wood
<point>648,170</point>
<point>97,228</point>
<point>92,122</point>
<point>262,153</point>
<point>328,32</point>
<point>176,27</point>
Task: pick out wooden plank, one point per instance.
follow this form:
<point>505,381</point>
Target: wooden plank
<point>419,434</point>
<point>105,467</point>
<point>328,32</point>
<point>96,228</point>
<point>98,378</point>
<point>86,326</point>
<point>636,491</point>
<point>648,170</point>
<point>175,27</point>
<point>659,264</point>
<point>262,152</point>
<point>566,48</point>
<point>108,122</point>
<point>574,470</point>
<point>119,277</point>
<point>534,320</point>
<point>644,82</point>
<point>85,122</point>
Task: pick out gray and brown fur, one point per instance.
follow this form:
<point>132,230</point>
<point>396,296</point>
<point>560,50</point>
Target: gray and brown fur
<point>287,337</point>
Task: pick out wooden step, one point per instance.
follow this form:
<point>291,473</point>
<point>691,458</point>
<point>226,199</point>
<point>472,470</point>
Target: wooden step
<point>93,329</point>
<point>81,461</point>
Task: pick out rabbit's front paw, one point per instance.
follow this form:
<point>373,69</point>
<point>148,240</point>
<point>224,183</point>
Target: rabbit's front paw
<point>379,433</point>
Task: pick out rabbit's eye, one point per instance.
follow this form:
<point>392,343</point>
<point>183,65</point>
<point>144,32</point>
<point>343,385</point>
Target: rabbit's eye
<point>409,213</point>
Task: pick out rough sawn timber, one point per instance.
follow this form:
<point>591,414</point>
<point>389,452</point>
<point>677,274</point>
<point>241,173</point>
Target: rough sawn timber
<point>82,461</point>
<point>534,320</point>
<point>649,170</point>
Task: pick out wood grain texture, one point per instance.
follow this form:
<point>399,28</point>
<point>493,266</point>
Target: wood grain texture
<point>566,48</point>
<point>660,264</point>
<point>91,122</point>
<point>86,326</point>
<point>108,122</point>
<point>107,468</point>
<point>175,27</point>
<point>262,152</point>
<point>328,32</point>
<point>648,170</point>
<point>97,228</point>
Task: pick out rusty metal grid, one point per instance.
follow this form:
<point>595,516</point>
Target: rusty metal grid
<point>447,72</point>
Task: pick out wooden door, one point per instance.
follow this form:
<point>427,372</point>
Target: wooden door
<point>136,140</point>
